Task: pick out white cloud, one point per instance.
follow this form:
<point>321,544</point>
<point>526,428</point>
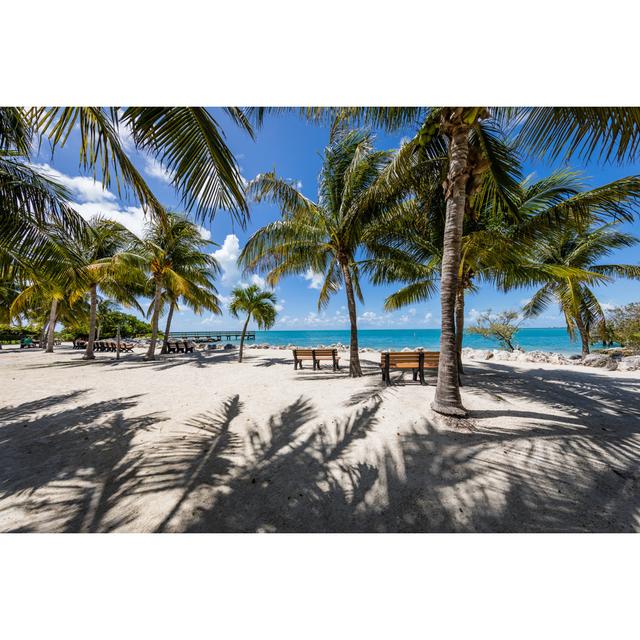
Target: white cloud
<point>412,311</point>
<point>608,306</point>
<point>315,279</point>
<point>227,256</point>
<point>155,169</point>
<point>212,320</point>
<point>133,218</point>
<point>428,317</point>
<point>259,280</point>
<point>83,188</point>
<point>473,315</point>
<point>377,319</point>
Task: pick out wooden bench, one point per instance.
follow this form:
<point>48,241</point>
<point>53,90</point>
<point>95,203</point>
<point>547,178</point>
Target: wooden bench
<point>416,361</point>
<point>316,356</point>
<point>188,346</point>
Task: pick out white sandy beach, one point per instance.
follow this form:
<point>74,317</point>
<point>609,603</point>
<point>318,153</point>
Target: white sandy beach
<point>198,442</point>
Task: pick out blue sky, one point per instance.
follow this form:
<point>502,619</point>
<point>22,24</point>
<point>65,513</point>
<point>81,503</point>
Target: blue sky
<point>293,148</point>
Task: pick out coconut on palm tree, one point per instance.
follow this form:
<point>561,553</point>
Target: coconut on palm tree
<point>324,237</point>
<point>580,247</point>
<point>256,304</point>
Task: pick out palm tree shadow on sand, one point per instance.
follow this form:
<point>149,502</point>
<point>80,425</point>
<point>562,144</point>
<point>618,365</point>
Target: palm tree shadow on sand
<point>573,468</point>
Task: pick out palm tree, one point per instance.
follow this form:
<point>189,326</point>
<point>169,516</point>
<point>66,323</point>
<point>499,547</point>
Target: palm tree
<point>172,251</point>
<point>198,291</point>
<point>108,263</point>
<point>580,247</point>
<point>187,141</point>
<point>323,236</point>
<point>256,304</point>
<point>49,301</point>
<point>611,133</point>
<point>498,235</point>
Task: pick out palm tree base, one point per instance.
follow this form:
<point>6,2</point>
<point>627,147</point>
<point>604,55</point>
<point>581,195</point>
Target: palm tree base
<point>449,410</point>
<point>88,357</point>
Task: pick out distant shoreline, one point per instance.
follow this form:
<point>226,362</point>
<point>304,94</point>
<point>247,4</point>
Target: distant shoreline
<point>529,339</point>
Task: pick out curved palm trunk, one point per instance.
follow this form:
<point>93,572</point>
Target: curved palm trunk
<point>447,399</point>
<point>459,326</point>
<point>151,353</point>
<point>165,342</point>
<point>244,331</point>
<point>355,370</point>
<point>88,354</point>
<point>52,325</point>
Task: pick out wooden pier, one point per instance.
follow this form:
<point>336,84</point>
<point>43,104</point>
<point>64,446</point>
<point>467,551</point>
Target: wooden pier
<point>210,336</point>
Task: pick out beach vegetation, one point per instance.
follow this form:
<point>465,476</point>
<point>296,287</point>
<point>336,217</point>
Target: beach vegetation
<point>624,324</point>
<point>502,326</point>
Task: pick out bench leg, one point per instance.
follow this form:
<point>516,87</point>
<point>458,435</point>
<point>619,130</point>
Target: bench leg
<point>421,373</point>
<point>415,375</point>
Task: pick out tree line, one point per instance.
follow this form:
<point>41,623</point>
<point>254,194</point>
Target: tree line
<point>447,211</point>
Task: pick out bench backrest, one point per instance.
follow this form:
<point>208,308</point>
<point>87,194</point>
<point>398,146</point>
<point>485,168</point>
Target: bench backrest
<point>309,353</point>
<point>429,359</point>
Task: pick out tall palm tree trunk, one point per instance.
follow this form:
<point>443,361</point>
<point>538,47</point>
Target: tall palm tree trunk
<point>584,336</point>
<point>165,341</point>
<point>52,325</point>
<point>88,354</point>
<point>459,325</point>
<point>244,331</point>
<point>447,399</point>
<point>43,333</point>
<point>157,301</point>
<point>355,370</point>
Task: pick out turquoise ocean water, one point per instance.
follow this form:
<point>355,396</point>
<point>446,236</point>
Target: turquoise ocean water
<point>555,339</point>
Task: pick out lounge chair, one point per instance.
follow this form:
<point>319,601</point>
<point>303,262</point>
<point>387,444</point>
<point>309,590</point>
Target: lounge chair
<point>316,356</point>
<point>188,346</point>
<point>416,361</point>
